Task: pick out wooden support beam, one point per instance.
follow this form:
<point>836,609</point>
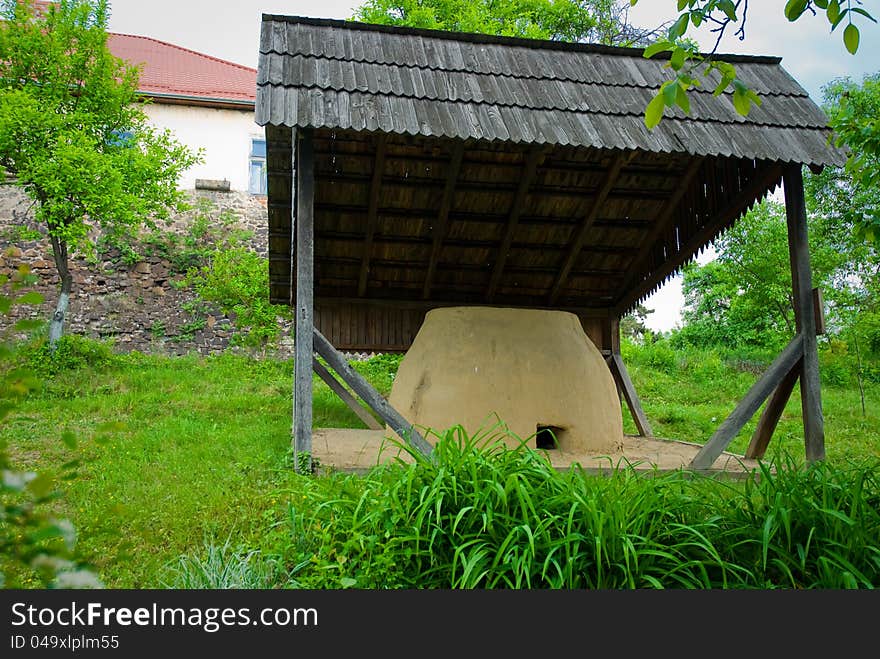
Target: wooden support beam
<point>799,255</point>
<point>772,413</point>
<point>346,397</point>
<point>661,224</point>
<point>626,387</point>
<point>819,311</point>
<point>532,161</point>
<point>372,213</point>
<point>580,235</point>
<point>304,226</point>
<point>733,209</point>
<point>747,407</point>
<point>442,222</point>
<point>369,394</point>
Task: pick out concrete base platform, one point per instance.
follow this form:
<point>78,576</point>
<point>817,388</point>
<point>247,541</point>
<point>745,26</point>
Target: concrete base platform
<point>355,450</point>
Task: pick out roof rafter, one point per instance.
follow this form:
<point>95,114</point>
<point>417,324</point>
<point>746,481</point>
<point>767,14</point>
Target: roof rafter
<point>441,225</point>
<point>372,213</point>
<point>580,235</point>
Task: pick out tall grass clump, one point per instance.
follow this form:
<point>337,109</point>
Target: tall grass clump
<point>222,566</point>
<point>481,515</point>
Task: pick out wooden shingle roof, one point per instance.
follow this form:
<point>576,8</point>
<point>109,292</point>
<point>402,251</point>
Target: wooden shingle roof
<point>323,73</point>
<point>461,169</point>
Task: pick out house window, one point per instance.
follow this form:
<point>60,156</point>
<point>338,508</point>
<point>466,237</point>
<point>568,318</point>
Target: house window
<point>257,167</point>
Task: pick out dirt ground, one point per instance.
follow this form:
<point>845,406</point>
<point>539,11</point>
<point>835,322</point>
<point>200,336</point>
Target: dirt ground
<point>355,450</point>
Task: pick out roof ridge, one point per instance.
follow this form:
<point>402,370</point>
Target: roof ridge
<point>476,37</point>
<point>184,49</point>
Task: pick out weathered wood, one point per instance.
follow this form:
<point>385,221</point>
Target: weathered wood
<point>441,224</point>
<point>750,403</point>
<point>661,224</point>
<point>372,213</point>
<point>346,397</point>
<point>733,209</point>
<point>626,387</point>
<point>799,254</point>
<point>772,413</point>
<point>304,310</point>
<point>532,161</point>
<point>577,242</point>
<point>819,311</point>
<point>369,394</point>
<point>432,304</point>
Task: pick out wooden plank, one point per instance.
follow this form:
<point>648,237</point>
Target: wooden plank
<point>771,414</point>
<point>346,397</point>
<point>661,224</point>
<point>369,394</point>
<point>304,311</point>
<point>733,209</point>
<point>577,242</point>
<point>533,159</point>
<point>626,387</point>
<point>747,407</point>
<point>819,311</point>
<point>799,255</point>
<point>372,213</point>
<point>441,224</point>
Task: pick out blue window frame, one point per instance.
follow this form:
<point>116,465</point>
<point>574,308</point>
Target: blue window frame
<point>257,167</point>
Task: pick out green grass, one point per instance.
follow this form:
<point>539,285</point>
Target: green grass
<point>185,473</point>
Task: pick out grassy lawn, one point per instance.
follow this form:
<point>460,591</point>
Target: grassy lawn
<point>179,453</point>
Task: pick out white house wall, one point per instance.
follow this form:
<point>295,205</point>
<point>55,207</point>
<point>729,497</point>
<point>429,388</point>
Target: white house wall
<point>223,135</point>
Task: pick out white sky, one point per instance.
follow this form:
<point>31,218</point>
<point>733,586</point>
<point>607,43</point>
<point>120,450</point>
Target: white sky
<point>230,29</point>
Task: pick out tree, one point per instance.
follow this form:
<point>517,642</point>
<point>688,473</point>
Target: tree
<point>718,15</point>
<point>74,132</point>
<point>633,326</point>
<point>743,297</point>
<point>597,21</point>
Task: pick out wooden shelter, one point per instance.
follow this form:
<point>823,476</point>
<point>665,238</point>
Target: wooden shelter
<point>410,169</point>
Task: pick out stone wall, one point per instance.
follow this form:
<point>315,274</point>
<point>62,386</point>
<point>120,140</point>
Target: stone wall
<point>136,305</point>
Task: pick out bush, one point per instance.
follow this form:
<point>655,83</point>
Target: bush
<point>237,280</point>
<point>72,352</point>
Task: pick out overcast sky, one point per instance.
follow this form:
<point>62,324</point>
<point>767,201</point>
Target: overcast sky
<point>230,29</point>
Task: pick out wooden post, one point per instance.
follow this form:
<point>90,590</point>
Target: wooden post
<point>625,387</point>
<point>346,397</point>
<point>747,407</point>
<point>771,414</point>
<point>304,195</point>
<point>799,253</point>
<point>369,394</point>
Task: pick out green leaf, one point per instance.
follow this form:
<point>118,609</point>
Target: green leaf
<point>69,439</point>
<point>654,111</point>
<point>741,102</point>
<point>833,13</point>
<point>669,93</point>
<point>682,100</point>
<point>31,297</point>
<point>682,4</point>
<point>696,18</point>
<point>679,27</point>
<point>821,4</point>
<point>859,10</point>
<point>677,59</point>
<point>851,38</point>
<point>728,8</point>
<point>655,48</point>
<point>794,9</point>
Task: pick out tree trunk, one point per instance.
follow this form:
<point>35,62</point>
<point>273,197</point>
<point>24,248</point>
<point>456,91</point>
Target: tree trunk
<point>56,327</point>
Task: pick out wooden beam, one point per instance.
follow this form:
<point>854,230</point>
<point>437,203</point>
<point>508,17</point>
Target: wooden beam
<point>819,311</point>
<point>626,387</point>
<point>771,414</point>
<point>733,209</point>
<point>747,407</point>
<point>577,242</point>
<point>372,213</point>
<point>304,226</point>
<point>440,226</point>
<point>799,255</point>
<point>527,175</point>
<point>426,305</point>
<point>661,224</point>
<point>369,394</point>
<point>346,397</point>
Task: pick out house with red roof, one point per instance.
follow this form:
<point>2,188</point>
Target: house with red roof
<point>207,102</point>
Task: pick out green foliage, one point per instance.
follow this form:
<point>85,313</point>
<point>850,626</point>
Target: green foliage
<point>685,61</point>
<point>72,353</point>
<point>598,21</point>
<point>73,129</point>
<point>31,535</point>
<point>480,515</point>
<point>237,279</point>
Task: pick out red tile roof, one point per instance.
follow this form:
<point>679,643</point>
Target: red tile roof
<point>169,70</point>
